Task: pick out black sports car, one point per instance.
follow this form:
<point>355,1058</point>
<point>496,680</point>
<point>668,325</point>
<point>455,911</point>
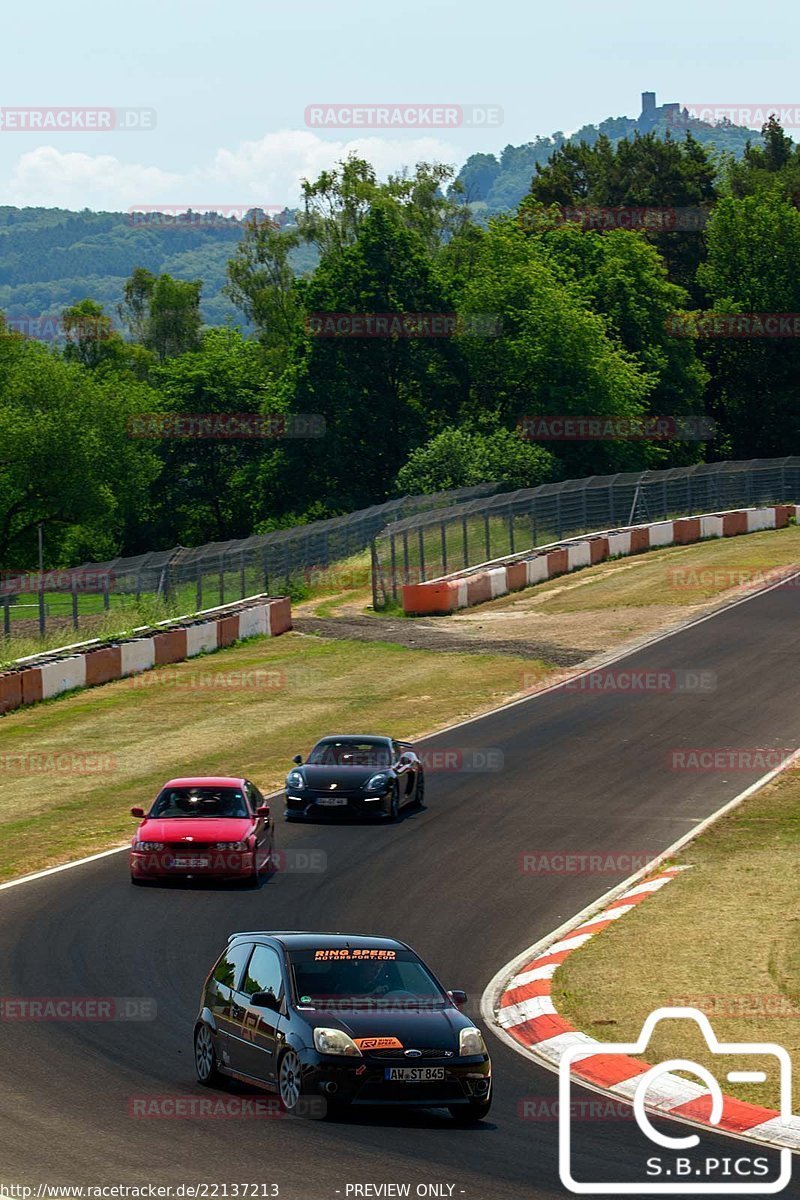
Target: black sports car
<point>328,1020</point>
<point>354,775</point>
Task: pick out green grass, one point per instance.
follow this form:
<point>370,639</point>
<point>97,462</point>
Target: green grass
<point>216,715</point>
<point>723,937</point>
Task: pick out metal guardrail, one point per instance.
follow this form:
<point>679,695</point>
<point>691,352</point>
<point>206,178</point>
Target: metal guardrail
<point>430,544</point>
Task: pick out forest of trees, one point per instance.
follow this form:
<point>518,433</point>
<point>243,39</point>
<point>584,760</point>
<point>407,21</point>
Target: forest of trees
<point>541,315</point>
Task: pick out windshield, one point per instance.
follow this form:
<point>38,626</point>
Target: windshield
<point>337,979</point>
<point>350,752</point>
<point>200,802</point>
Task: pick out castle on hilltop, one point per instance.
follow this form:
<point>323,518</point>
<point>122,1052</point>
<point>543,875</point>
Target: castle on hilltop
<point>652,112</point>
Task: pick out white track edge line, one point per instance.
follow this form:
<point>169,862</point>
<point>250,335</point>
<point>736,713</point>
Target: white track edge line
<point>659,637</point>
<point>494,989</point>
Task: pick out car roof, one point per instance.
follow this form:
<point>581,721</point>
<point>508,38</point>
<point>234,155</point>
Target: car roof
<point>356,737</point>
<point>303,940</point>
<point>206,781</point>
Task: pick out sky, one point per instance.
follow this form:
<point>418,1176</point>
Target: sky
<point>227,99</point>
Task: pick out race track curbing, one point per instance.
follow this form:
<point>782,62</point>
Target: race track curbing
<point>522,1008</point>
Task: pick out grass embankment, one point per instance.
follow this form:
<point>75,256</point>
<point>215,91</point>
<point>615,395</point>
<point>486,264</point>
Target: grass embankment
<point>674,575</point>
<point>246,711</point>
<point>724,937</point>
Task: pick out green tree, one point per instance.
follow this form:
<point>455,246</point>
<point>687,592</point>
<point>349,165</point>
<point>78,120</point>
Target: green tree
<point>162,313</point>
<point>459,457</point>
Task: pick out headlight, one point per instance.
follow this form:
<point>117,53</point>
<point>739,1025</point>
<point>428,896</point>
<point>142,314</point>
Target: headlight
<point>230,845</point>
<point>295,779</point>
<point>148,845</point>
<point>470,1041</point>
<point>335,1041</point>
<point>378,783</point>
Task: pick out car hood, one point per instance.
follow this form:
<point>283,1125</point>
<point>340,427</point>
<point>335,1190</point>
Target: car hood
<point>425,1029</point>
<point>345,778</point>
<point>195,829</point>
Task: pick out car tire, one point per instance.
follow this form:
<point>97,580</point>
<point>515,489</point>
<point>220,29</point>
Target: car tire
<point>137,882</point>
<point>394,808</point>
<point>468,1114</point>
<point>205,1057</point>
<point>290,1082</point>
<point>419,791</point>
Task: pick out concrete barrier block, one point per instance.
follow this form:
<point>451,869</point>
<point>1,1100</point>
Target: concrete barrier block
<point>712,526</point>
<point>63,675</point>
<point>598,549</point>
<point>10,691</point>
<point>201,638</point>
<point>734,523</point>
<point>138,655</point>
<point>537,569</point>
<point>640,539</point>
<point>579,554</point>
<point>279,616</point>
<point>760,518</point>
<point>662,533</point>
<point>498,581</point>
<point>254,621</point>
<point>103,665</point>
<point>169,646</point>
<point>619,543</point>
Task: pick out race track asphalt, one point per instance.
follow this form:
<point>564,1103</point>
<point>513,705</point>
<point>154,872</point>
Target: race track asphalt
<point>583,772</point>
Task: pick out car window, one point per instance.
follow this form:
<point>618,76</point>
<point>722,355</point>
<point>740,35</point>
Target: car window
<point>228,970</point>
<point>182,802</point>
<point>263,973</point>
<point>350,753</point>
<point>352,982</point>
<point>252,796</point>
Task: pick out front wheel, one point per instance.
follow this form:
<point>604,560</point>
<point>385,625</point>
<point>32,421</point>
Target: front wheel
<point>419,792</point>
<point>394,807</point>
<point>290,1082</point>
<point>205,1058</point>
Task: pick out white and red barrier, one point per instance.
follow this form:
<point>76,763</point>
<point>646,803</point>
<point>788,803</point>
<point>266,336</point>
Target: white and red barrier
<point>43,676</point>
<point>476,585</point>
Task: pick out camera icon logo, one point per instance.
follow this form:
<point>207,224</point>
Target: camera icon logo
<point>675,1171</point>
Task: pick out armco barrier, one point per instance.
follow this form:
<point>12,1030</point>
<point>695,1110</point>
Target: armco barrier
<point>479,584</point>
<point>46,675</point>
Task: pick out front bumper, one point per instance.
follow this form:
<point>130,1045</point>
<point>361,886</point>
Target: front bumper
<point>177,863</point>
<point>362,1081</point>
<point>306,806</point>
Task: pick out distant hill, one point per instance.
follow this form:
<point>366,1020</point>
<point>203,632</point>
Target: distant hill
<point>494,185</point>
<point>50,257</point>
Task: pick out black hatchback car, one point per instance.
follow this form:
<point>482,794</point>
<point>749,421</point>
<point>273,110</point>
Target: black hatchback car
<point>355,775</point>
<point>341,1019</point>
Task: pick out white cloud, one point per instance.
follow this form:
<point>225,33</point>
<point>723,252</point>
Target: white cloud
<point>266,172</point>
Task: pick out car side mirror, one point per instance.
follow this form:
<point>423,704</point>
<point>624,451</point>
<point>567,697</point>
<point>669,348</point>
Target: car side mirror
<point>458,997</point>
<point>298,758</point>
<point>262,811</point>
<point>138,813</point>
<point>265,1000</point>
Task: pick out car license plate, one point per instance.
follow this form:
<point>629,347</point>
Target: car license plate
<point>188,864</point>
<point>331,801</point>
<point>414,1074</point>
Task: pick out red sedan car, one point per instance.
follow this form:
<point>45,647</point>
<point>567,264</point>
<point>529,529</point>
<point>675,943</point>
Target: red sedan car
<point>214,826</point>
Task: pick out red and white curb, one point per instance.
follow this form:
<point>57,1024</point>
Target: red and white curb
<point>523,1013</point>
